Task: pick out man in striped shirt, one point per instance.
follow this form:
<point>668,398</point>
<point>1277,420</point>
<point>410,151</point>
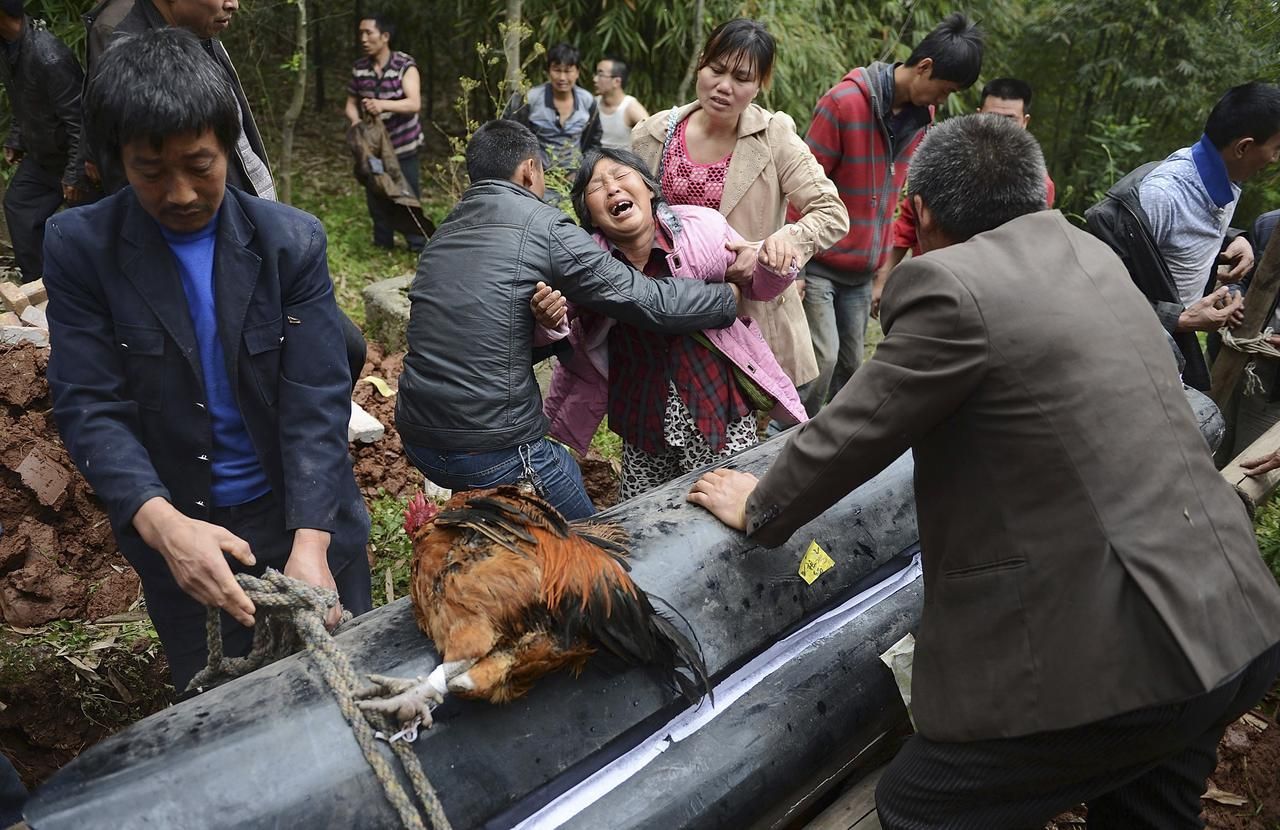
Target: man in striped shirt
<point>386,84</point>
<point>864,132</point>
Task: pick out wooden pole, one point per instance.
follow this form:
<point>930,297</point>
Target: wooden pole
<point>1230,363</point>
<point>1255,491</point>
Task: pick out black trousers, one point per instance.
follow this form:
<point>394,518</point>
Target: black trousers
<point>380,208</point>
<point>180,620</point>
<point>1141,770</point>
<point>34,194</point>
<point>357,349</point>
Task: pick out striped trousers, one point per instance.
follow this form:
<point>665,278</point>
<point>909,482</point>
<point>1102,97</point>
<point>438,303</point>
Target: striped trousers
<point>1140,770</point>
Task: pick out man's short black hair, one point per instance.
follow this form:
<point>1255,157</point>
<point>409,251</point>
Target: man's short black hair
<point>1250,110</point>
<point>158,84</point>
<point>564,54</point>
<point>1008,89</point>
<point>618,68</point>
<point>384,23</point>
<point>955,47</point>
<point>498,148</point>
<point>13,8</point>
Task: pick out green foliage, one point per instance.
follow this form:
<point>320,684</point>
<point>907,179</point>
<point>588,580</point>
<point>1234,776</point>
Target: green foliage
<point>391,548</point>
<point>1267,526</point>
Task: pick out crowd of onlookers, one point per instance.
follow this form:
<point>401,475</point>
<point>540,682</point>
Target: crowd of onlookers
<point>715,288</point>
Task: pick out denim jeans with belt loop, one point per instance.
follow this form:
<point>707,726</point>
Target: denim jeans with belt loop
<point>547,464</point>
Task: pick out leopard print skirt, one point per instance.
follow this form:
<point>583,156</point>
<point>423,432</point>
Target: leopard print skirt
<point>686,448</point>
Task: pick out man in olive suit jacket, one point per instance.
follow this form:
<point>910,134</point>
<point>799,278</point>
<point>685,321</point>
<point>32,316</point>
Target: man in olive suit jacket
<point>1095,609</point>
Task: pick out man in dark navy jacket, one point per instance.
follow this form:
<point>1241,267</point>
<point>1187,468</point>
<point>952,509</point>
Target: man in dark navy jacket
<point>198,371</point>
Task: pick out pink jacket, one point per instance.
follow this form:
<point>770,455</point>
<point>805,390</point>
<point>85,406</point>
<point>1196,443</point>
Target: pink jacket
<point>578,398</point>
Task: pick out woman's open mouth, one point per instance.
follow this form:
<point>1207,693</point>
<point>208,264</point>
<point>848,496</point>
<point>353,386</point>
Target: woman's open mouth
<point>620,208</point>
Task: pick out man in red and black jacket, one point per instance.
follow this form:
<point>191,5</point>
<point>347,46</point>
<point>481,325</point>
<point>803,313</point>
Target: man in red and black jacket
<point>863,133</point>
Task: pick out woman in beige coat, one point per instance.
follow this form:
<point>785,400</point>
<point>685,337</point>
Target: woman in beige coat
<point>725,152</point>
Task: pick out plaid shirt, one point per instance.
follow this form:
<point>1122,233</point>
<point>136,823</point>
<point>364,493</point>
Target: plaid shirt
<point>640,365</point>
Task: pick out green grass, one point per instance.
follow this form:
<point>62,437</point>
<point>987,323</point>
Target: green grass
<point>392,550</point>
<point>354,261</point>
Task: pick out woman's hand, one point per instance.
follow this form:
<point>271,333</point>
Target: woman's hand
<point>781,253</point>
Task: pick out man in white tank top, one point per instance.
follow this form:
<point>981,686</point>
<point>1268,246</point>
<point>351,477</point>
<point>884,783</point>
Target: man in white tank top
<point>619,112</point>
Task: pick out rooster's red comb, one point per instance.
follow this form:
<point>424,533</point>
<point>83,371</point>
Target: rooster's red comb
<point>418,513</point>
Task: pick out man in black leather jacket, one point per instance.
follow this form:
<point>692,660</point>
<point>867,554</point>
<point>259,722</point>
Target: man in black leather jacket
<point>42,79</point>
<point>469,409</point>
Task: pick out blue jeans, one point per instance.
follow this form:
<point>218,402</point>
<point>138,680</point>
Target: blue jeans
<point>837,314</point>
<point>553,471</point>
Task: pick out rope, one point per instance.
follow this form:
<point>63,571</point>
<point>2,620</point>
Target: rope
<point>1259,345</point>
<point>290,615</point>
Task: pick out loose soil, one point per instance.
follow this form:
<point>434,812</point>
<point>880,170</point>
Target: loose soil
<point>59,561</point>
<point>381,467</point>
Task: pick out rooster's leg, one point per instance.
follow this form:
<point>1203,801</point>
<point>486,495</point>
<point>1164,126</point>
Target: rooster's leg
<point>402,699</point>
<point>487,678</point>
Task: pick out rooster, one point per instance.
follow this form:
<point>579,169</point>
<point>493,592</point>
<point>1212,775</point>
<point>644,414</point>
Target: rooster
<point>508,591</point>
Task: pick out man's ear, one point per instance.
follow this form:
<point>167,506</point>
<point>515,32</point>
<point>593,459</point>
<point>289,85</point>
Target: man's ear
<point>1241,146</point>
<point>924,69</point>
<point>527,172</point>
<point>923,215</point>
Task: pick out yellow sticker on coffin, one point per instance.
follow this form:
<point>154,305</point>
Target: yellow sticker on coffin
<point>815,563</point>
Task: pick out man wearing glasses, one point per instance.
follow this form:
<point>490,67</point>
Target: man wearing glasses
<point>619,112</point>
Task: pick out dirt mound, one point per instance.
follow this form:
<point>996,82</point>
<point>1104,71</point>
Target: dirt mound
<point>1244,791</point>
<point>64,683</point>
<point>58,558</point>
<point>382,464</point>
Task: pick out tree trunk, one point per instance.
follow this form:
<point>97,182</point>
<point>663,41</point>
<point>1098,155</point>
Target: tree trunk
<point>318,60</point>
<point>695,45</point>
<point>295,107</point>
<point>511,48</point>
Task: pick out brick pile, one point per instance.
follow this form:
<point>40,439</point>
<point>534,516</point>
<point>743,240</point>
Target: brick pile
<point>22,313</point>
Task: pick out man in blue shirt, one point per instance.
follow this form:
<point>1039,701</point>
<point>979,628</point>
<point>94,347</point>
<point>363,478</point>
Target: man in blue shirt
<point>198,371</point>
<point>1169,221</point>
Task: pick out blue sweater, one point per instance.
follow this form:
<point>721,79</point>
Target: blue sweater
<point>238,476</point>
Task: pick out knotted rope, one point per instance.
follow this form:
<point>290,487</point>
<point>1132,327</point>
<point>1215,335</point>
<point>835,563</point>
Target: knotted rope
<point>1259,345</point>
<point>290,615</point>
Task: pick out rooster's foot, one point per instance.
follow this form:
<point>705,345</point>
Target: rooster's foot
<point>402,699</point>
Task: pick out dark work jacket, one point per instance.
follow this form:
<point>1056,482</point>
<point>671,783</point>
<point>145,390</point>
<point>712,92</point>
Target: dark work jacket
<point>1120,221</point>
<point>468,384</point>
<point>111,19</point>
<point>125,373</point>
<point>44,93</point>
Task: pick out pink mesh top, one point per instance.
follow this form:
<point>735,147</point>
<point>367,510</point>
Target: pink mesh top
<point>685,182</point>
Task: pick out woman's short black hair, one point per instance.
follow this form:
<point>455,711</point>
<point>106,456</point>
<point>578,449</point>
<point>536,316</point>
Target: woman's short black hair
<point>739,41</point>
<point>578,194</point>
<point>158,84</point>
<point>955,47</point>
